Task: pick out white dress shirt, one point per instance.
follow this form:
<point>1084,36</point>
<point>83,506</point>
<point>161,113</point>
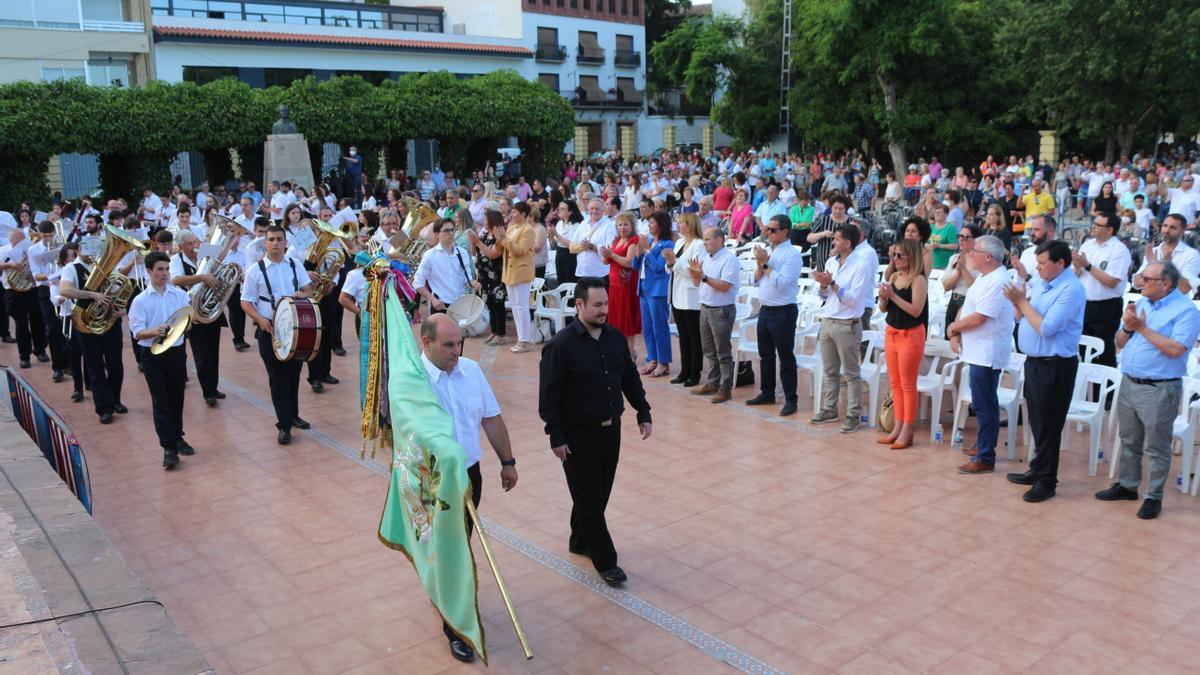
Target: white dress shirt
<point>35,268</point>
<point>854,280</point>
<point>1185,202</point>
<point>777,286</point>
<point>152,308</point>
<point>70,274</point>
<point>151,207</point>
<point>1112,257</point>
<point>179,270</point>
<point>724,266</point>
<point>990,343</point>
<point>1184,257</point>
<point>443,272</point>
<point>284,276</point>
<point>355,285</point>
<point>467,396</point>
<point>685,294</point>
<point>588,263</point>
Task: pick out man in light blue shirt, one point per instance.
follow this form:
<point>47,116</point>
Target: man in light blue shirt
<point>1156,336</point>
<point>1050,323</point>
<point>777,275</point>
<point>769,207</point>
<point>717,276</point>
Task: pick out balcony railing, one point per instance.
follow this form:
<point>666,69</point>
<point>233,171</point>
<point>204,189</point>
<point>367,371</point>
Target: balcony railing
<point>629,59</point>
<point>115,26</point>
<point>307,13</point>
<point>613,99</point>
<point>590,54</point>
<point>551,53</point>
<point>106,26</point>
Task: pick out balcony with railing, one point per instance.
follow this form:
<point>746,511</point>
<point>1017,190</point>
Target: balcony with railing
<point>626,58</point>
<point>306,13</point>
<point>551,53</point>
<point>589,54</point>
<point>86,24</point>
<point>590,98</point>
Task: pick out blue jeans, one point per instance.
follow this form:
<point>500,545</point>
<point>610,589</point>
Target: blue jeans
<point>984,382</point>
<point>655,331</point>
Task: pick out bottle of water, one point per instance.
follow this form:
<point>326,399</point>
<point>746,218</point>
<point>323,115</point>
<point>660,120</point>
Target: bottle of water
<point>958,439</point>
<point>937,435</point>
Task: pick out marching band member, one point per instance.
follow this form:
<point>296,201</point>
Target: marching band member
<point>205,337</point>
<point>320,367</point>
<point>41,274</point>
<point>276,276</point>
<point>62,321</point>
<point>149,314</point>
<point>21,305</point>
<point>101,353</point>
<point>443,276</point>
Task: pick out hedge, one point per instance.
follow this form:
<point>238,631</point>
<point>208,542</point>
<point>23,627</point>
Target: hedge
<point>134,129</point>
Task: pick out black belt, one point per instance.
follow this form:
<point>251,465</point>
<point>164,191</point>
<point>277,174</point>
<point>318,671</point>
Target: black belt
<point>1104,300</point>
<point>766,307</point>
<point>1051,358</point>
<point>1138,380</point>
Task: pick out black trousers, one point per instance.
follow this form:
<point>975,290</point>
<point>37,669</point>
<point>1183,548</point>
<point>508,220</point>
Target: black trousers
<point>952,308</point>
<point>5,331</point>
<point>50,328</point>
<point>321,365</point>
<point>777,336</point>
<point>236,316</point>
<point>564,266</point>
<point>691,355</point>
<point>23,310</point>
<point>74,351</point>
<point>1049,383</point>
<point>164,376</point>
<point>476,477</point>
<point>497,316</point>
<point>206,351</point>
<point>103,367</point>
<point>284,379</point>
<point>336,311</point>
<point>1102,318</point>
<point>590,469</point>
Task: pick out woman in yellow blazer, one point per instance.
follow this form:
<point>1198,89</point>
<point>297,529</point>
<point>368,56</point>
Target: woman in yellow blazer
<point>518,245</point>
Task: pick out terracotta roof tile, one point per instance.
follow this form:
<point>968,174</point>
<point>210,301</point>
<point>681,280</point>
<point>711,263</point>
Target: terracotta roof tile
<point>336,40</point>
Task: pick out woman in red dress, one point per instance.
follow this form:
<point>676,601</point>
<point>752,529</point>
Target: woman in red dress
<point>624,309</point>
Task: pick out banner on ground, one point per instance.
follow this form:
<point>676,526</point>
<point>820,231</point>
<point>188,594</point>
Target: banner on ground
<point>52,435</point>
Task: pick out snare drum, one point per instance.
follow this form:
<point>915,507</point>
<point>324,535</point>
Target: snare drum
<point>470,313</point>
<point>297,329</point>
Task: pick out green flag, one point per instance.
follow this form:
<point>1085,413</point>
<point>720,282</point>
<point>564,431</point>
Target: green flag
<point>424,516</point>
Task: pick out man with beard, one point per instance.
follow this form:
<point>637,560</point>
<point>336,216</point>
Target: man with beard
<point>1042,228</point>
<point>1172,249</point>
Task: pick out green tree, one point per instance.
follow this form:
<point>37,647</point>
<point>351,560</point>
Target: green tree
<point>1106,71</point>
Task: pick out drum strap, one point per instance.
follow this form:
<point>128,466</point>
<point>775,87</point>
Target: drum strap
<point>461,264</point>
<point>262,267</point>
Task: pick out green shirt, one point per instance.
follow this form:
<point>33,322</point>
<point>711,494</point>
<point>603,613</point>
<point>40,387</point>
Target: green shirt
<point>942,236</point>
<point>801,216</point>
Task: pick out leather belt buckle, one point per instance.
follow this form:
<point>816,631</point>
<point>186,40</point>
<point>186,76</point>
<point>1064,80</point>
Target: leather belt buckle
<point>606,423</point>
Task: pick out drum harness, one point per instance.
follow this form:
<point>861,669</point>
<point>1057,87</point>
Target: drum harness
<point>262,267</point>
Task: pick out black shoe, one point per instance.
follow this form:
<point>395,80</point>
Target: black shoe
<point>692,383</point>
<point>787,410</point>
<point>614,577</point>
<point>170,460</point>
<point>57,376</point>
<point>329,379</point>
<point>284,437</point>
<point>461,650</point>
<point>106,418</point>
<point>41,357</point>
<point>1039,493</point>
<point>219,395</point>
<point>140,370</point>
<point>761,399</point>
<point>679,379</point>
<point>120,409</point>
<point>317,386</point>
<point>77,396</point>
<point>340,351</point>
<point>210,401</point>
<point>1150,509</point>
<point>240,345</point>
<point>1021,478</point>
<point>1117,492</point>
<point>183,448</point>
<point>301,423</point>
<point>25,363</point>
<point>8,340</point>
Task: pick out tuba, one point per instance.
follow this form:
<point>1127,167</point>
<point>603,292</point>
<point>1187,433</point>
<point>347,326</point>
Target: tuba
<point>97,318</point>
<point>21,278</point>
<point>209,303</point>
<point>328,255</point>
<point>414,246</point>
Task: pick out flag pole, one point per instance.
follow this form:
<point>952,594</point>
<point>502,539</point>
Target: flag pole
<point>487,550</point>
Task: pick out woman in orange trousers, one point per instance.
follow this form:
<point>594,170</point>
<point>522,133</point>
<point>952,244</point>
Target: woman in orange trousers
<point>905,300</point>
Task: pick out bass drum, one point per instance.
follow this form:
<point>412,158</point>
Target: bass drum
<point>297,329</point>
<point>470,313</point>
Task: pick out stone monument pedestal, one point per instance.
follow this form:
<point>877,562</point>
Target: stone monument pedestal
<point>285,157</point>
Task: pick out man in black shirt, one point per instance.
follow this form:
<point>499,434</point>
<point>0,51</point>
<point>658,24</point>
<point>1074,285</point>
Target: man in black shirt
<point>584,371</point>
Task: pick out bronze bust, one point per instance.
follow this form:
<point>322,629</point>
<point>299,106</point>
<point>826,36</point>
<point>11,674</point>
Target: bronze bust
<point>284,125</point>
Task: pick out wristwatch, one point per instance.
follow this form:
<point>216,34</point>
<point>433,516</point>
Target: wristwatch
<point>704,279</point>
<point>1087,267</point>
<point>765,266</point>
<point>508,462</point>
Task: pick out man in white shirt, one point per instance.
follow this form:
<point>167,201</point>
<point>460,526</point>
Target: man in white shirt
<point>1185,258</point>
<point>717,274</point>
<point>982,334</point>
<point>149,316</point>
<point>22,306</point>
<point>776,277</point>
<point>1095,180</point>
<point>845,285</point>
<point>1041,229</point>
<point>770,207</point>
<point>42,265</point>
<point>276,276</point>
<point>464,392</point>
<point>1185,199</point>
<point>444,275</point>
<point>101,353</point>
<point>595,231</point>
<point>1102,264</point>
<point>151,207</point>
<point>205,338</point>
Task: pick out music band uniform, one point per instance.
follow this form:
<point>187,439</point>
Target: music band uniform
<point>264,285</point>
<point>204,337</point>
<point>102,363</point>
<point>164,372</point>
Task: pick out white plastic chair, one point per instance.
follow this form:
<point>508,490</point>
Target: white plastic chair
<point>1092,347</point>
<point>1091,413</point>
<point>939,379</point>
<point>811,363</point>
<point>1009,397</point>
<point>747,341</point>
<point>1183,430</point>
<point>555,305</point>
<point>874,365</point>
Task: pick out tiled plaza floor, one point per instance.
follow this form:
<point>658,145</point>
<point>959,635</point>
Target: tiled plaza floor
<point>799,547</point>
